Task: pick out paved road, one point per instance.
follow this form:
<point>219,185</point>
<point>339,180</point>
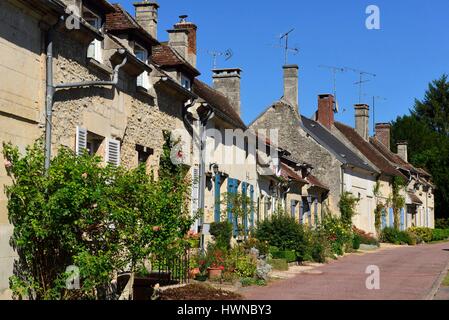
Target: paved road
<point>405,273</point>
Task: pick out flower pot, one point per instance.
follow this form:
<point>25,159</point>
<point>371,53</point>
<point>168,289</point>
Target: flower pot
<point>214,273</point>
<point>194,272</point>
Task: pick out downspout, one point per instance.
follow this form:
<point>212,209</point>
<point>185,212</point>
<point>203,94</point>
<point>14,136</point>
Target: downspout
<point>51,89</point>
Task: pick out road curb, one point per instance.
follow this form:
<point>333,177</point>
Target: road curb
<point>436,285</point>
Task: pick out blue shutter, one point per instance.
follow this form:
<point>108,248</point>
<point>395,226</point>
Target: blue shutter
<point>391,218</point>
<point>251,195</point>
<point>217,198</point>
<point>402,219</point>
<point>384,219</point>
<point>245,207</point>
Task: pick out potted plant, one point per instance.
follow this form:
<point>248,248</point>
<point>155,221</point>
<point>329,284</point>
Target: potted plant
<point>213,263</point>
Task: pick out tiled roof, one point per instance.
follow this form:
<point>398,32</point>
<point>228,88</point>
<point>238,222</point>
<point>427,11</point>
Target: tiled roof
<point>368,150</point>
<point>165,56</point>
<point>332,143</point>
<point>122,21</point>
<point>218,101</point>
<point>287,172</point>
<point>414,198</point>
<point>392,157</point>
<point>314,182</point>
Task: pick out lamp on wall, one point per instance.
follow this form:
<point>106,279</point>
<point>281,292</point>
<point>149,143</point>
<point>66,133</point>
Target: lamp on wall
<point>214,168</point>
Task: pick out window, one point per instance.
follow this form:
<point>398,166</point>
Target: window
<point>143,153</point>
<point>94,50</point>
<point>87,141</point>
<point>186,83</point>
<point>142,54</point>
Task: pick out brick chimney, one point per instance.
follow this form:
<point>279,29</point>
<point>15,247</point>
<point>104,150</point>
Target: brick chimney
<point>362,120</point>
<point>190,29</point>
<point>325,114</point>
<point>383,134</point>
<point>227,81</point>
<point>146,16</point>
<point>403,150</point>
<point>291,85</point>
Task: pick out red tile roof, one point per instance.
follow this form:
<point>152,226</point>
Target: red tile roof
<point>121,21</point>
<point>287,172</point>
<point>390,156</point>
<point>314,182</point>
<point>165,56</point>
<point>219,102</point>
<point>371,153</point>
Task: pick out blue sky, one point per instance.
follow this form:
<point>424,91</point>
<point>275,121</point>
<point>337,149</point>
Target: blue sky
<point>409,50</point>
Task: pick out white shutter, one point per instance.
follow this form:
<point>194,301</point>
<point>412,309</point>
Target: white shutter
<point>81,140</point>
<point>113,151</point>
<point>195,189</point>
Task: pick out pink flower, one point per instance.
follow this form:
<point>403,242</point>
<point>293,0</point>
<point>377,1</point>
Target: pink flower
<point>179,154</point>
<point>156,228</point>
<point>8,164</point>
<point>84,175</point>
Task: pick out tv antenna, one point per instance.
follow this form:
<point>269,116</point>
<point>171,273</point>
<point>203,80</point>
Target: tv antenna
<point>334,71</point>
<point>215,54</point>
<point>361,81</point>
<point>376,98</point>
<point>285,46</point>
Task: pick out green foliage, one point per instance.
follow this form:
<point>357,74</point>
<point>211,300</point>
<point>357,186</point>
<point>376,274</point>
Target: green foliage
<point>319,247</point>
<point>442,223</point>
<point>239,205</point>
<point>365,238</point>
<point>288,255</point>
<point>278,264</point>
<point>252,242</point>
<point>378,211</point>
<point>356,241</point>
<point>213,257</point>
<point>98,218</point>
<point>240,262</point>
<point>392,235</point>
<point>396,200</point>
<point>338,233</point>
<point>246,282</point>
<point>440,234</point>
<point>347,206</point>
<point>284,232</point>
<point>425,234</point>
<point>222,234</point>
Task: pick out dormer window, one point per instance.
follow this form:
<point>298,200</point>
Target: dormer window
<point>94,50</point>
<point>186,83</point>
<point>142,54</point>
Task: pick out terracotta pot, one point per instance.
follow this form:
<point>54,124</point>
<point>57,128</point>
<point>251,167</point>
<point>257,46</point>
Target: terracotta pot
<point>214,273</point>
<point>193,272</point>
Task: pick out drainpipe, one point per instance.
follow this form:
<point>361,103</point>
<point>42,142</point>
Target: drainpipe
<point>51,89</point>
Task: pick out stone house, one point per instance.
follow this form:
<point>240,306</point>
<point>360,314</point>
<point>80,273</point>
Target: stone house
<point>312,141</point>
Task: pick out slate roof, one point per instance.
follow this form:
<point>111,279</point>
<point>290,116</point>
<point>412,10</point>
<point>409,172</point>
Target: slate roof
<point>332,143</point>
<point>219,103</point>
<point>122,21</point>
<point>165,56</point>
<point>368,150</point>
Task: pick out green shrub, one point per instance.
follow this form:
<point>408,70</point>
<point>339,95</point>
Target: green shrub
<point>392,235</point>
<point>288,255</point>
<point>356,242</point>
<point>278,264</point>
<point>283,232</point>
<point>338,233</point>
<point>423,233</point>
<point>262,246</point>
<point>440,234</point>
<point>365,238</point>
<point>222,234</point>
<point>442,223</point>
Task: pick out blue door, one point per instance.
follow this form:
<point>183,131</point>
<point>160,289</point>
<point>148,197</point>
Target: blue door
<point>391,218</point>
<point>217,198</point>
<point>232,190</point>
<point>402,219</point>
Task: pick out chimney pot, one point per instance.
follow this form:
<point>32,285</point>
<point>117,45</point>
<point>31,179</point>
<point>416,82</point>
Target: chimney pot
<point>147,15</point>
<point>291,85</point>
<point>191,29</point>
<point>383,134</point>
<point>362,120</point>
<point>227,81</point>
<point>325,114</point>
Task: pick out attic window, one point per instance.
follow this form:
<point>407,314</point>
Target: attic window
<point>186,83</point>
<point>142,54</point>
<point>94,50</point>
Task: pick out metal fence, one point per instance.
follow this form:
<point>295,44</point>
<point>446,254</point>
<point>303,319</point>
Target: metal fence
<point>171,269</point>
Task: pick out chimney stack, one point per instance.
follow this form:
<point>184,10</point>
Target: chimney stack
<point>403,150</point>
<point>362,120</point>
<point>184,37</point>
<point>227,81</point>
<point>383,134</point>
<point>291,85</point>
<point>146,16</point>
<point>325,114</point>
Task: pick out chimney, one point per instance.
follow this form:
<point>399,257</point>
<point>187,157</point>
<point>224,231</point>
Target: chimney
<point>146,16</point>
<point>227,81</point>
<point>325,114</point>
<point>362,120</point>
<point>402,150</point>
<point>191,29</point>
<point>291,85</point>
<point>383,134</point>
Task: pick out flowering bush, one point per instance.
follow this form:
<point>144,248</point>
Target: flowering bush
<point>365,238</point>
<point>338,234</point>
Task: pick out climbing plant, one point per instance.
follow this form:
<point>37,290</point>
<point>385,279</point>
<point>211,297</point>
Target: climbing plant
<point>347,206</point>
<point>378,211</point>
<point>396,200</point>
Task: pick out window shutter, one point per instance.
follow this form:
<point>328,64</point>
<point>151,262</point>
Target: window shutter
<point>81,140</point>
<point>113,151</point>
<point>195,189</point>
